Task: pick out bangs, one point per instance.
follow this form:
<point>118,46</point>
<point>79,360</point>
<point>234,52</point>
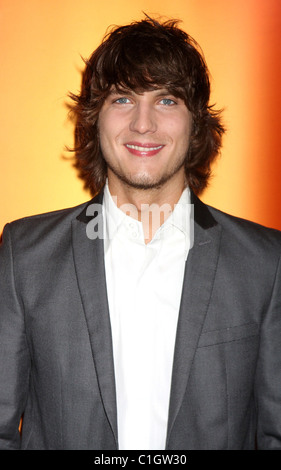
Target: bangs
<point>143,65</point>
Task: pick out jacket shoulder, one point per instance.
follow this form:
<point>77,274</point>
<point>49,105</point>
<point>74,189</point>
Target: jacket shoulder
<point>32,228</point>
<point>246,232</point>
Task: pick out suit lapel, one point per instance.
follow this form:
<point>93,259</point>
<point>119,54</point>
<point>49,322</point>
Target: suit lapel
<point>90,271</point>
<point>197,288</point>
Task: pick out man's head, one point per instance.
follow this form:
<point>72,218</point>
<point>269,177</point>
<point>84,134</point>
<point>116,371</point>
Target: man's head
<point>140,57</point>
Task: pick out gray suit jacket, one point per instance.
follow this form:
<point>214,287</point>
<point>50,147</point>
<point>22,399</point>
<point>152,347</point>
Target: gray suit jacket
<point>56,361</point>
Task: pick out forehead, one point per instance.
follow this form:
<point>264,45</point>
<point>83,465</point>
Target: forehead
<point>116,90</point>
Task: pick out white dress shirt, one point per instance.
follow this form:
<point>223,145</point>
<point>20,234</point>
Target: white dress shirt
<point>144,284</point>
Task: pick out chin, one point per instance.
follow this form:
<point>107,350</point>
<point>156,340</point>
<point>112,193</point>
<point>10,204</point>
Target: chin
<point>145,182</point>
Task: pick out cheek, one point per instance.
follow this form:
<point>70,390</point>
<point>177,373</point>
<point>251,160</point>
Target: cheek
<point>180,128</point>
<point>105,134</point>
<point>181,136</point>
<point>109,130</point>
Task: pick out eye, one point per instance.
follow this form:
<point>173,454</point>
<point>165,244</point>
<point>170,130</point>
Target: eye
<point>167,102</point>
<point>122,100</point>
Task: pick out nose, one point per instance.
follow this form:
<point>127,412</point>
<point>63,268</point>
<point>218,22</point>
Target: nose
<point>143,119</point>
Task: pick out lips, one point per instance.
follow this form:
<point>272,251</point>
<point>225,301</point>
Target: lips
<point>143,150</point>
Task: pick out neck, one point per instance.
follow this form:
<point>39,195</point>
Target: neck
<point>152,207</point>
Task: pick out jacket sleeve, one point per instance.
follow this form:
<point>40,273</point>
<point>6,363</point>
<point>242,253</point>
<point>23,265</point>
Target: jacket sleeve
<point>268,375</point>
<point>14,354</point>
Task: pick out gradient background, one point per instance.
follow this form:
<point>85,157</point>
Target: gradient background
<point>41,44</point>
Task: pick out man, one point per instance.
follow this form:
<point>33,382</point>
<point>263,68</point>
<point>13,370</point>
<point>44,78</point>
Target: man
<point>143,319</point>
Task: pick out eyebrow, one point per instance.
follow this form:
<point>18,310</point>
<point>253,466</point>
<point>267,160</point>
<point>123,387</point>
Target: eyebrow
<point>164,92</point>
<point>128,91</point>
<point>120,91</point>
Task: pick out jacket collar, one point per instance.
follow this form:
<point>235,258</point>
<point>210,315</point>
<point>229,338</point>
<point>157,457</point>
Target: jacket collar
<point>202,215</point>
<point>200,272</point>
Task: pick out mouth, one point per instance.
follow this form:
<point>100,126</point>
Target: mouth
<point>143,150</point>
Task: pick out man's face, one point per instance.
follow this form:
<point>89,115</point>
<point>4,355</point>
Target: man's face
<point>144,138</point>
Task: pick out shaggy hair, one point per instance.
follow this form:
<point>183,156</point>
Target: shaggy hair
<point>143,56</point>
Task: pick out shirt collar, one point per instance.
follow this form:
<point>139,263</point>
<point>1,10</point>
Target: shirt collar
<point>114,217</point>
<point>180,217</point>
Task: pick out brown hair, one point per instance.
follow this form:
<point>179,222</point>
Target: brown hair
<point>141,56</point>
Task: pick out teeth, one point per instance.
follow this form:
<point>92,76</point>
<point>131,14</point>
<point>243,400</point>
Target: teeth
<point>143,149</point>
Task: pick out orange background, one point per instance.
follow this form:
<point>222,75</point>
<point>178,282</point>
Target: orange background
<point>41,44</point>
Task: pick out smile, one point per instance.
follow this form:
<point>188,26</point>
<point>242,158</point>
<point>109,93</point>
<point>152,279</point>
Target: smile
<point>144,150</point>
